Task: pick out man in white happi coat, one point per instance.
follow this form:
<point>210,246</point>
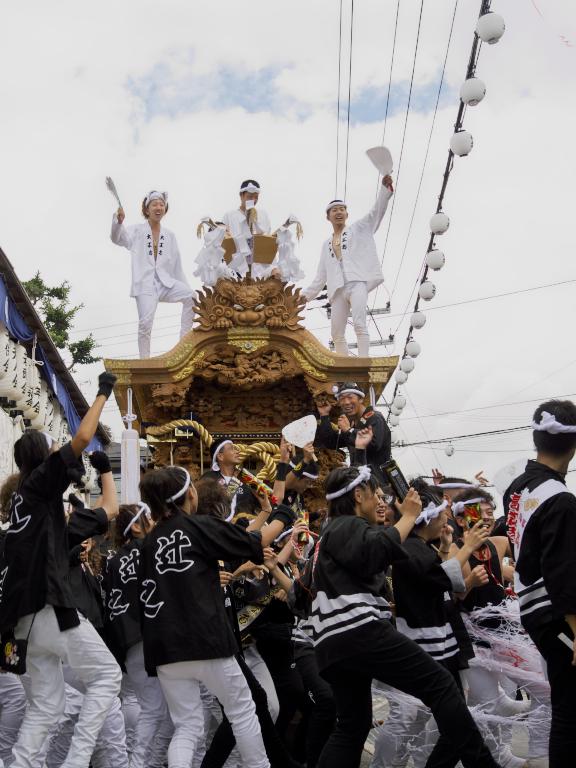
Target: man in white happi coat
<point>243,223</point>
<point>157,273</point>
<point>350,268</point>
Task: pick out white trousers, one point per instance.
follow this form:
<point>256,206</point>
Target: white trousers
<point>223,677</point>
<point>12,709</point>
<point>352,299</point>
<point>261,672</point>
<point>154,721</point>
<point>147,303</point>
<point>84,651</point>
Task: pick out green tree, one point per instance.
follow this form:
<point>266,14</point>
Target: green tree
<point>53,305</point>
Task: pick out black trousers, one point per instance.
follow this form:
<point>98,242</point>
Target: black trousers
<point>224,741</point>
<point>322,715</point>
<point>400,662</point>
<point>562,677</point>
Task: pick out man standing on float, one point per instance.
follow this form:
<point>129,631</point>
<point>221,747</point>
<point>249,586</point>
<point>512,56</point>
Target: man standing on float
<point>243,223</point>
<point>157,273</point>
<point>350,268</point>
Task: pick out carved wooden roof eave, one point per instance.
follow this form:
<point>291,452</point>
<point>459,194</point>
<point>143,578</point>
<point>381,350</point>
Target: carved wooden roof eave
<point>319,367</point>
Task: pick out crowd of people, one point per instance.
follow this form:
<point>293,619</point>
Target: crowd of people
<point>214,624</point>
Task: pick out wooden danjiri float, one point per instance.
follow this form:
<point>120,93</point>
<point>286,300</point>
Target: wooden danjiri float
<point>248,368</point>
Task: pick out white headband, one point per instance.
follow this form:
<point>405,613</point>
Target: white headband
<point>364,474</point>
<point>430,512</point>
<point>156,196</point>
<point>250,188</point>
<point>184,488</point>
<point>215,467</point>
<point>334,203</point>
<point>141,508</point>
<point>456,486</point>
<point>458,507</point>
<point>549,424</point>
<point>347,391</point>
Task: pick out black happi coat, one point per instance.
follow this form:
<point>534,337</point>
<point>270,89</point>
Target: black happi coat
<point>422,585</point>
<point>34,571</point>
<point>349,583</point>
<point>541,522</point>
<point>122,604</point>
<point>379,449</point>
<point>183,612</point>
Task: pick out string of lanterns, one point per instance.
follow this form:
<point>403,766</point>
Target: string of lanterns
<point>489,29</point>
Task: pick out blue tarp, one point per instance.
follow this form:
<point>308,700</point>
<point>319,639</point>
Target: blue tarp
<point>18,329</point>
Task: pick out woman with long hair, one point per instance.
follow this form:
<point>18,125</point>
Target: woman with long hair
<point>187,636</point>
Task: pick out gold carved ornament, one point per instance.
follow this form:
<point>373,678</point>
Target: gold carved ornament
<point>268,453</point>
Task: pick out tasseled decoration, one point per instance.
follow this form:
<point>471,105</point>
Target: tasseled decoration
<point>210,261</point>
<point>129,457</point>
<point>205,220</point>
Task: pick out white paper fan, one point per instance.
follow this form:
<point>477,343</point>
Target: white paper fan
<point>381,159</point>
<point>300,432</point>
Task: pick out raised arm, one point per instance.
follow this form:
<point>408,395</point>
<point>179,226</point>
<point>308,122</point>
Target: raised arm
<point>89,423</point>
<point>374,217</point>
<point>118,233</point>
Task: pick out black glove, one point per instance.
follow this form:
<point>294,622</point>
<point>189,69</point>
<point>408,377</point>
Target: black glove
<point>106,383</point>
<point>100,462</point>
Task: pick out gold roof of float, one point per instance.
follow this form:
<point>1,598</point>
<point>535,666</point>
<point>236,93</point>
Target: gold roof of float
<point>248,367</point>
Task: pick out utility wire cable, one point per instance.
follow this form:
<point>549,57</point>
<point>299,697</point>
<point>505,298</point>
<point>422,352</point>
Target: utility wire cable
<point>349,96</point>
<point>338,103</point>
<point>389,83</point>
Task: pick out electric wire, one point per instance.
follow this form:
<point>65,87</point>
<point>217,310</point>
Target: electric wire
<point>470,71</point>
<point>338,102</point>
<point>349,96</point>
<point>432,126</point>
<point>389,83</point>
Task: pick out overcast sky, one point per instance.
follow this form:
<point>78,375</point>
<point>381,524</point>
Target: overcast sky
<point>193,97</point>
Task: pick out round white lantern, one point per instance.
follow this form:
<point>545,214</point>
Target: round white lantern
<point>407,364</point>
<point>490,27</point>
<point>401,377</point>
<point>393,420</point>
<point>396,411</point>
<point>435,259</point>
<point>427,290</point>
<point>473,91</point>
<point>413,349</point>
<point>461,143</point>
<point>439,223</point>
<point>418,320</point>
<point>399,401</point>
<point>449,450</point>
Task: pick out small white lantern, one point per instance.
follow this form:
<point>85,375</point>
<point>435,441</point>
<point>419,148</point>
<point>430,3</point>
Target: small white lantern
<point>418,320</point>
<point>399,401</point>
<point>435,259</point>
<point>396,411</point>
<point>439,223</point>
<point>490,27</point>
<point>393,420</point>
<point>413,349</point>
<point>449,450</point>
<point>427,290</point>
<point>461,143</point>
<point>473,91</point>
<point>401,377</point>
<point>407,364</point>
